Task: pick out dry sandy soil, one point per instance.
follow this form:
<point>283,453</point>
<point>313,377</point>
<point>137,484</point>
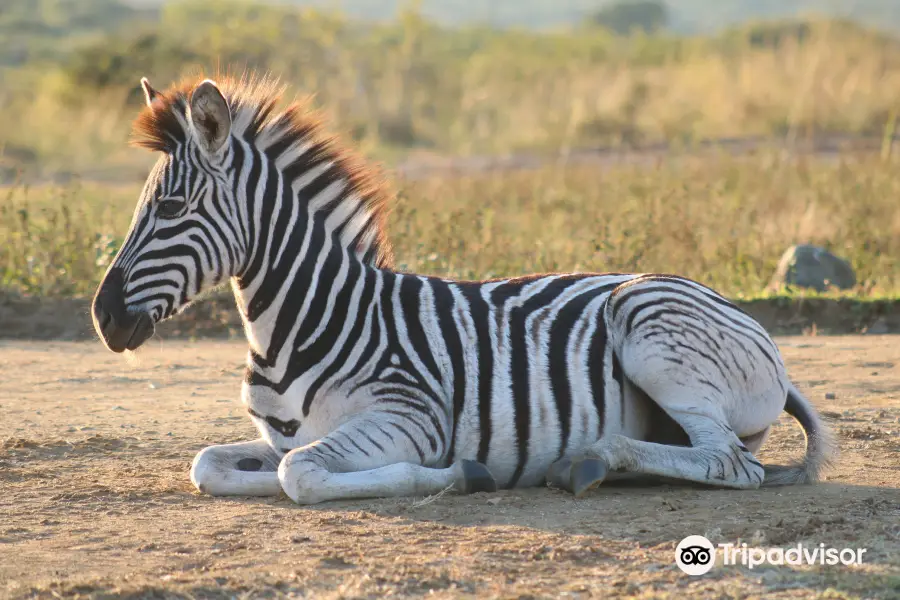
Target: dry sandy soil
<point>96,501</point>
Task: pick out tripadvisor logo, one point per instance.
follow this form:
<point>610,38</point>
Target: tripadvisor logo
<point>696,555</point>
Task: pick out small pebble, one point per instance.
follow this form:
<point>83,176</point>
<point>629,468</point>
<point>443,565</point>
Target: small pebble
<point>830,396</point>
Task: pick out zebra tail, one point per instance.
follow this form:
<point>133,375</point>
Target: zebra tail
<point>821,446</point>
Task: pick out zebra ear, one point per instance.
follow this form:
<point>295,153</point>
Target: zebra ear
<point>149,93</point>
<point>210,116</point>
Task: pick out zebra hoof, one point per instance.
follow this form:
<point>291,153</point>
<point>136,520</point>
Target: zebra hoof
<point>558,475</point>
<point>477,478</point>
<point>587,474</point>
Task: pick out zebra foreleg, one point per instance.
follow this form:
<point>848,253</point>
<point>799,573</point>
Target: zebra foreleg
<point>370,457</point>
<point>240,469</point>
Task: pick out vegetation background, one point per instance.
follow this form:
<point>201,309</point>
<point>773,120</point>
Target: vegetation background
<point>413,83</point>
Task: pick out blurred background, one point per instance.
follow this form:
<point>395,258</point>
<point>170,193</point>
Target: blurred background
<point>702,137</point>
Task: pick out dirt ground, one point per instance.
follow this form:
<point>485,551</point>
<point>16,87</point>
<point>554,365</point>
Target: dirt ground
<point>96,502</point>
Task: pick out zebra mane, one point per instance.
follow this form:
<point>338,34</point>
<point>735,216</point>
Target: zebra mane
<point>295,136</point>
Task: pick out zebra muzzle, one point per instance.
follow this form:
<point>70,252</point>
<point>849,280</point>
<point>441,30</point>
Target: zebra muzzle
<point>119,329</point>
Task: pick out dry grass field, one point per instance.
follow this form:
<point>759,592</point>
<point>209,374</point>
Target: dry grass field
<point>95,451</point>
<point>721,219</point>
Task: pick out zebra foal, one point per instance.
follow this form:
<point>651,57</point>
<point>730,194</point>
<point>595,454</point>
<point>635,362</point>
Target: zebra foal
<point>363,381</point>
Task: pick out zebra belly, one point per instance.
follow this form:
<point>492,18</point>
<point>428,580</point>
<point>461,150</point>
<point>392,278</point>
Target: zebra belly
<point>547,439</point>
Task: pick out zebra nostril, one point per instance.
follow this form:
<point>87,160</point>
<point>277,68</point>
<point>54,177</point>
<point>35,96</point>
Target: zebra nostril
<point>111,319</point>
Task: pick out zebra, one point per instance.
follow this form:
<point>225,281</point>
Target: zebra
<point>364,381</point>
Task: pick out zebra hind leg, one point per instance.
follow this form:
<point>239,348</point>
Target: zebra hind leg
<point>241,469</point>
<point>712,369</point>
<point>716,458</point>
<point>716,455</point>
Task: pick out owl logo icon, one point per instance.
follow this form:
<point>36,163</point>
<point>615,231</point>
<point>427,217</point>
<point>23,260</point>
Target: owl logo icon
<point>695,555</point>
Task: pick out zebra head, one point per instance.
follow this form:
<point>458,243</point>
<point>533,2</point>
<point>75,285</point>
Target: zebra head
<point>183,239</point>
<point>237,186</point>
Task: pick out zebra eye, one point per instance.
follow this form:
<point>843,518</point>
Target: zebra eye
<point>169,208</point>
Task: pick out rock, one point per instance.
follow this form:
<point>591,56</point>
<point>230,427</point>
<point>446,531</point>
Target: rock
<point>812,267</point>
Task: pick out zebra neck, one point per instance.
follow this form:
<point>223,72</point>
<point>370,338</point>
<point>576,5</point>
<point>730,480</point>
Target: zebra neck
<point>298,310</point>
